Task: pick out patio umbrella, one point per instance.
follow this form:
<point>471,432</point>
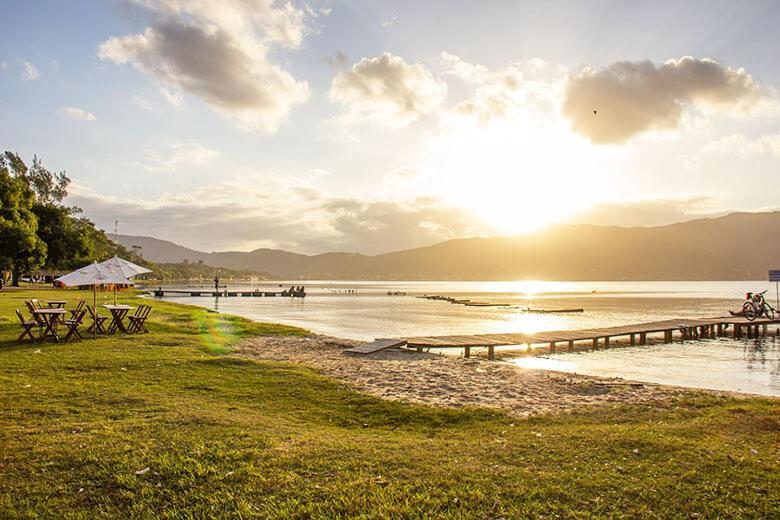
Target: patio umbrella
<point>94,274</point>
<point>126,268</point>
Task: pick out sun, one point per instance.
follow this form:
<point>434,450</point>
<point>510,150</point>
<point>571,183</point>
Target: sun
<point>518,175</point>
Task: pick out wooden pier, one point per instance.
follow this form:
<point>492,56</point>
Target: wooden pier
<point>160,292</point>
<point>684,329</point>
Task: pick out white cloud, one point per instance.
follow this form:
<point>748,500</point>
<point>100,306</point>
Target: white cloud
<point>613,104</point>
<point>177,155</point>
<point>743,146</point>
<point>218,51</point>
<point>173,96</point>
<point>3,65</point>
<point>30,72</point>
<point>326,11</point>
<point>387,91</point>
<point>281,213</point>
<point>76,113</point>
<point>534,86</point>
<point>391,22</point>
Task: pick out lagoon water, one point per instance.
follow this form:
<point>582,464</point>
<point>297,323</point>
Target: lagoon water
<point>364,310</point>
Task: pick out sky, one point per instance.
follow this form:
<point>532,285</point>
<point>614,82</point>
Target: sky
<point>374,126</point>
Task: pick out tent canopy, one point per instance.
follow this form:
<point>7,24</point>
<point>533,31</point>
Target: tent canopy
<point>126,268</point>
<point>94,274</point>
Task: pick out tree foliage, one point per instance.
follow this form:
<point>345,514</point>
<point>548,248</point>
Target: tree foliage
<point>38,230</point>
<point>20,247</point>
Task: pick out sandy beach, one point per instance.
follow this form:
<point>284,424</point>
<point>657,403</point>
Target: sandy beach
<point>453,381</point>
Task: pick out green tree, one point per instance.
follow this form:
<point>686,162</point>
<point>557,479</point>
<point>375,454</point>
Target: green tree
<point>20,247</point>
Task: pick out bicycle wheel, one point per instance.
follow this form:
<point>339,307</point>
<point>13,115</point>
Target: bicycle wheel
<point>769,312</point>
<point>749,311</point>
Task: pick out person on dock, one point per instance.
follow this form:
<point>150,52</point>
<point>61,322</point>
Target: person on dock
<point>216,283</point>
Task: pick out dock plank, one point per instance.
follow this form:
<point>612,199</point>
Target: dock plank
<point>376,346</point>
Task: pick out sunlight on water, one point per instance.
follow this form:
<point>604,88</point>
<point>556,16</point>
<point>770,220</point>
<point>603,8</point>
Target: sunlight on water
<point>365,311</point>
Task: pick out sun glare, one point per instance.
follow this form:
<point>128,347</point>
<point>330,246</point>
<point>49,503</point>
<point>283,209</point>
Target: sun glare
<point>518,174</point>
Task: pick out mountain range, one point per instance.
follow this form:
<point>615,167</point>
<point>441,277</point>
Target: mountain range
<point>738,246</point>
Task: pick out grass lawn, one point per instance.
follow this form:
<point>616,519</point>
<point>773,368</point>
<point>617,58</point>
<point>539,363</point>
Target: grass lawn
<point>170,425</point>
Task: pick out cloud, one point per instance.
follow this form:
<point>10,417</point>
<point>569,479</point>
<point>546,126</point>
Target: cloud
<point>387,91</point>
<point>391,22</point>
<point>648,212</point>
<point>177,155</point>
<point>535,85</point>
<point>743,146</point>
<point>630,98</point>
<point>282,214</point>
<point>326,11</point>
<point>30,72</point>
<point>76,113</point>
<point>218,51</point>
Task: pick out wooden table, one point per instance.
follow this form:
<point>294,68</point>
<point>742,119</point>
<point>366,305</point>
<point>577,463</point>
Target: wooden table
<point>118,313</point>
<point>50,318</point>
<point>56,304</point>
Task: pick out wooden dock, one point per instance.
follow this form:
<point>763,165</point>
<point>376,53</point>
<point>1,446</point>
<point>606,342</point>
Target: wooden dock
<point>160,292</point>
<point>637,334</point>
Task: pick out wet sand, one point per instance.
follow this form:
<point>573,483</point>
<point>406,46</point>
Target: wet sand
<point>452,381</point>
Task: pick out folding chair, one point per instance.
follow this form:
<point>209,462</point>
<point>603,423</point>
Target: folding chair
<point>74,312</point>
<point>97,321</point>
<point>137,321</point>
<point>73,325</point>
<point>27,326</point>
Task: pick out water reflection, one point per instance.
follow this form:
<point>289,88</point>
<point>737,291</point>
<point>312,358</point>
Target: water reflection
<point>751,366</point>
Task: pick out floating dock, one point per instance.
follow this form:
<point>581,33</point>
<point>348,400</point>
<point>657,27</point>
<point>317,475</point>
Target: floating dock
<point>685,329</point>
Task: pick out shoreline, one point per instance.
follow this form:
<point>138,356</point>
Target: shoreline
<point>456,382</point>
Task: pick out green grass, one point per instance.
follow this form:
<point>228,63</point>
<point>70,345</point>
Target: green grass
<point>224,436</point>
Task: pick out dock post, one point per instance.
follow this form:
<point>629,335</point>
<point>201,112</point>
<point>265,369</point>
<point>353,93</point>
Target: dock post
<point>491,353</point>
<point>571,345</point>
<point>668,336</point>
<point>737,330</point>
<point>595,343</point>
<point>467,352</point>
<point>643,338</point>
<point>633,339</point>
<point>552,346</point>
<point>606,341</point>
<point>720,330</point>
<point>763,327</point>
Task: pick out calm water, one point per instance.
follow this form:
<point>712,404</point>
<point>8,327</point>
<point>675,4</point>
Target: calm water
<point>364,310</point>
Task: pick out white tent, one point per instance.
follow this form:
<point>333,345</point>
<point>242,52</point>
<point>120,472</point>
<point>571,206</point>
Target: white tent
<point>94,274</point>
<point>126,268</point>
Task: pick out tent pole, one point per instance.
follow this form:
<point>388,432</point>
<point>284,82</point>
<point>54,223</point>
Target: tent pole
<point>94,309</point>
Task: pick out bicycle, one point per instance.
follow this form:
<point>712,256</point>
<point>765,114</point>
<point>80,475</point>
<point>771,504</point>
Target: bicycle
<point>757,306</point>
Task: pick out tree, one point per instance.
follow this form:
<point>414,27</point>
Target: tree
<point>20,247</point>
<point>49,187</point>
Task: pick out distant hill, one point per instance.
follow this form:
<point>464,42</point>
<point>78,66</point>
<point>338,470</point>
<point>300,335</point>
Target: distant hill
<point>738,246</point>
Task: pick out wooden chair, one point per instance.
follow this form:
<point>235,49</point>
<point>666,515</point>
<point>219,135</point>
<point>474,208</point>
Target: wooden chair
<point>97,321</point>
<point>79,307</point>
<point>137,320</point>
<point>31,306</point>
<point>73,325</point>
<point>27,326</point>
